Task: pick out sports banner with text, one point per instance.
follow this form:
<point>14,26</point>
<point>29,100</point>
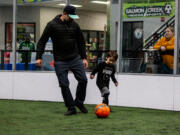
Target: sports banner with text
<point>148,10</point>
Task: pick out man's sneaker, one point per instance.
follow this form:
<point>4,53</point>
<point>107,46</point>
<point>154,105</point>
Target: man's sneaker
<point>82,108</point>
<point>70,112</point>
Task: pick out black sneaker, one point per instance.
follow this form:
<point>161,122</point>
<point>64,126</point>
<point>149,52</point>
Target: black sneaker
<point>82,108</point>
<point>70,112</point>
<point>111,110</point>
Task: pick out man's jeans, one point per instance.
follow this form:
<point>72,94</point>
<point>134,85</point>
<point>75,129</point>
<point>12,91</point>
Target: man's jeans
<point>76,66</point>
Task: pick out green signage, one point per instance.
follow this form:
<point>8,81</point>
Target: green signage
<point>148,10</point>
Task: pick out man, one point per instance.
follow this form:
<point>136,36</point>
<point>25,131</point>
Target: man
<point>69,54</point>
<point>26,45</point>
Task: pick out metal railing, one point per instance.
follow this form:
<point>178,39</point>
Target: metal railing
<point>99,56</point>
<point>151,40</point>
<point>25,52</point>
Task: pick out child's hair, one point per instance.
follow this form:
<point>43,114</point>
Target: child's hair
<point>112,54</point>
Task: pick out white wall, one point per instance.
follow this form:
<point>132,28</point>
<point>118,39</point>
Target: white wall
<point>46,15</point>
<point>24,14</point>
<point>87,21</point>
<point>92,20</point>
<point>30,14</point>
<point>158,92</point>
<point>114,17</point>
<point>5,16</point>
<point>42,15</point>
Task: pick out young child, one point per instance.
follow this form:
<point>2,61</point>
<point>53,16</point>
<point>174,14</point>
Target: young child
<point>105,70</point>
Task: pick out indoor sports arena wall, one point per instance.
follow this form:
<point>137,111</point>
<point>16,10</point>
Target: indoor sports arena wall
<point>146,91</point>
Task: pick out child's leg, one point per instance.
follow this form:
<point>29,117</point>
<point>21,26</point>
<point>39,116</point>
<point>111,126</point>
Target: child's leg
<point>105,94</point>
<point>106,99</point>
<point>104,91</point>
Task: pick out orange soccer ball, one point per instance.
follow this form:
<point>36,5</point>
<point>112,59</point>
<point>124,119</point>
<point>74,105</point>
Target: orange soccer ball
<point>102,110</point>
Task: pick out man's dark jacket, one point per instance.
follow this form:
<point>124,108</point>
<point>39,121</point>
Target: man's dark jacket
<point>67,38</point>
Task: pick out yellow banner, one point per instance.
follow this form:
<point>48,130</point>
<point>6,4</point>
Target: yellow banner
<point>29,1</point>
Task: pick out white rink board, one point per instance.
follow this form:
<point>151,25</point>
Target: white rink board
<point>6,85</point>
<point>146,91</point>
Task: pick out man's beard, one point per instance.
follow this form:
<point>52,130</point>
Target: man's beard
<point>68,21</point>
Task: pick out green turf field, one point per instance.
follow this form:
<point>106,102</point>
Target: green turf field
<point>47,118</point>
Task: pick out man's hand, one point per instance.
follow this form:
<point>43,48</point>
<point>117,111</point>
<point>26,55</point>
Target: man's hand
<point>91,76</point>
<point>116,84</point>
<point>39,62</point>
<point>163,48</point>
<point>85,63</point>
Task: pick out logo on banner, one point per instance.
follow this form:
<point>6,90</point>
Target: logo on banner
<point>149,11</point>
<point>168,8</point>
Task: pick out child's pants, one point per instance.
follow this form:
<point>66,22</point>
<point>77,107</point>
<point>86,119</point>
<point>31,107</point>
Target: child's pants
<point>105,94</point>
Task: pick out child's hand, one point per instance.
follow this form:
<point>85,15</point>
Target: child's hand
<point>116,84</point>
<point>92,76</point>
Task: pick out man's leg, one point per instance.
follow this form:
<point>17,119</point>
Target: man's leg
<point>61,69</point>
<point>77,68</point>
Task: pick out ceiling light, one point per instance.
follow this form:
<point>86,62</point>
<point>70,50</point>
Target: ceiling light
<point>100,2</point>
<point>77,6</point>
